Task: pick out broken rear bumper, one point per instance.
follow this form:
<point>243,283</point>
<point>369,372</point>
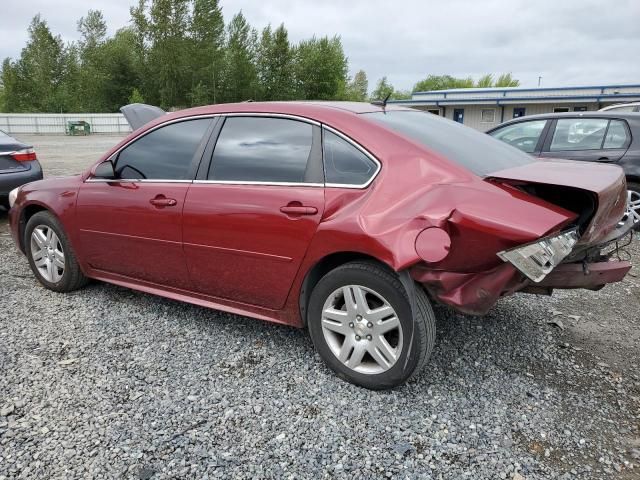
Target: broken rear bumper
<point>592,276</point>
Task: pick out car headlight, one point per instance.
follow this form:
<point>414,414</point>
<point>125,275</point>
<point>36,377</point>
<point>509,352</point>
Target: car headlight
<point>537,259</point>
<point>13,195</point>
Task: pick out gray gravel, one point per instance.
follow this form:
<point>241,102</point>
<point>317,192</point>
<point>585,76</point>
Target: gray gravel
<point>107,382</point>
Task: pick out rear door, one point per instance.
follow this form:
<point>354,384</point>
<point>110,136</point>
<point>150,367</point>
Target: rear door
<point>587,139</point>
<point>132,226</point>
<point>251,213</point>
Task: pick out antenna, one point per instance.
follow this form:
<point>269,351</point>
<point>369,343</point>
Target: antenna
<point>382,103</point>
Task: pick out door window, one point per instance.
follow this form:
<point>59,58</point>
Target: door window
<point>579,134</point>
<point>345,164</point>
<point>263,149</point>
<point>616,135</point>
<point>524,135</point>
<point>163,154</point>
<point>458,115</point>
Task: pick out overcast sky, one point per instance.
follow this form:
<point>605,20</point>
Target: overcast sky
<point>567,42</point>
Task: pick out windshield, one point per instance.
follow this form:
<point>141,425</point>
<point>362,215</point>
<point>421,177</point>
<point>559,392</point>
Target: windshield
<point>467,147</point>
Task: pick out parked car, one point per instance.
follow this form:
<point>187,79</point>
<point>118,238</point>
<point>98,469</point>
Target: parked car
<point>18,165</point>
<point>349,219</point>
<point>604,137</point>
<point>622,107</point>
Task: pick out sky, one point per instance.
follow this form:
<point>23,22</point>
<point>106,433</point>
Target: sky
<point>566,42</point>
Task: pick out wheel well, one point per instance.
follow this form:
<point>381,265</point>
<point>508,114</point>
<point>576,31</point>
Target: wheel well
<point>320,269</point>
<point>632,179</point>
<point>28,212</point>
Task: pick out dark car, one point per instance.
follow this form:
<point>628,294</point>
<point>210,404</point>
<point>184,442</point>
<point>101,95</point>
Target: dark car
<point>349,219</point>
<point>18,165</point>
<point>610,137</point>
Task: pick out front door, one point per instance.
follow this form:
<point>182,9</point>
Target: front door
<point>249,220</point>
<point>588,139</point>
<point>132,226</point>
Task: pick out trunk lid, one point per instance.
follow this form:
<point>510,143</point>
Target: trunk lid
<point>9,145</point>
<point>139,114</point>
<point>596,192</point>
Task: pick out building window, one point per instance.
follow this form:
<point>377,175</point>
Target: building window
<point>458,115</point>
<point>519,112</point>
<point>488,115</point>
<point>434,111</point>
<point>560,109</point>
<point>580,109</point>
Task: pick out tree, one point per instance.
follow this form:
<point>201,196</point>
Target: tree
<point>275,65</point>
<point>207,54</point>
<point>485,81</point>
<point>33,82</point>
<point>135,97</point>
<point>358,88</point>
<point>321,69</point>
<point>240,77</point>
<point>442,82</point>
<point>506,80</point>
<point>383,90</point>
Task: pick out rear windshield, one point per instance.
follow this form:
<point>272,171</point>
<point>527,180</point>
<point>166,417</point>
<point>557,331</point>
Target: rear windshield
<point>476,151</point>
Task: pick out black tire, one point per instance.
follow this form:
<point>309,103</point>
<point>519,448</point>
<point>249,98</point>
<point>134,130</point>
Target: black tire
<point>384,281</point>
<point>4,202</point>
<point>72,277</point>
<point>636,188</point>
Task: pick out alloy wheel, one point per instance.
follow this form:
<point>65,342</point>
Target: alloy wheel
<point>47,253</point>
<point>633,207</point>
<point>362,329</point>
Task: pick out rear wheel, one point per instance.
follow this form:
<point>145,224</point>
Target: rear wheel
<point>361,323</point>
<point>50,255</point>
<point>633,190</point>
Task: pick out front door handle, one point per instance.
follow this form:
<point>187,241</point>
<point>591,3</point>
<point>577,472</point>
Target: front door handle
<point>603,159</point>
<point>298,210</point>
<point>162,201</point>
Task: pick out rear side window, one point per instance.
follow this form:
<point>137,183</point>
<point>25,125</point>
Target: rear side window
<point>524,135</point>
<point>344,164</point>
<point>476,151</point>
<point>616,135</point>
<point>163,154</point>
<point>262,149</point>
<point>578,134</point>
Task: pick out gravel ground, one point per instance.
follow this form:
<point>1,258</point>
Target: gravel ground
<point>107,382</point>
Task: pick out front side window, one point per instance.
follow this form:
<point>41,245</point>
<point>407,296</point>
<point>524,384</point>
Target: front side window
<point>262,149</point>
<point>579,134</point>
<point>616,135</point>
<point>163,154</point>
<point>523,135</point>
<point>345,164</point>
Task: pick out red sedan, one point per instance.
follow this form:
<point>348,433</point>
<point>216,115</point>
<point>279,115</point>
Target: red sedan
<point>347,218</point>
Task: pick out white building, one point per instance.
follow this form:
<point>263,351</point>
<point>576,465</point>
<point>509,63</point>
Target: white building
<point>484,108</point>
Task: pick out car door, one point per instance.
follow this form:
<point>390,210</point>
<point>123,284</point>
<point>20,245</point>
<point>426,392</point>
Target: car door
<point>588,139</point>
<point>527,136</point>
<point>132,225</point>
<point>252,212</point>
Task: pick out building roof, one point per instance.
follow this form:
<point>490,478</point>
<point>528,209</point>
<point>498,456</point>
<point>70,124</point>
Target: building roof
<point>511,95</point>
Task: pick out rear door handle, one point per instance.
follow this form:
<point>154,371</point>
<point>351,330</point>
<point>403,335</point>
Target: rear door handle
<point>299,210</point>
<point>162,201</point>
<point>603,159</point>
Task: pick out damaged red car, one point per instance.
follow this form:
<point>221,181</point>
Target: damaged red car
<point>349,219</point>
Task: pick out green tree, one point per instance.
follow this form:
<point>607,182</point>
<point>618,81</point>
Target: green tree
<point>207,55</point>
<point>135,97</point>
<point>240,77</point>
<point>275,64</point>
<point>383,90</point>
<point>321,69</point>
<point>442,82</point>
<point>358,87</point>
<point>122,69</point>
<point>33,82</point>
<point>506,80</point>
<point>485,81</point>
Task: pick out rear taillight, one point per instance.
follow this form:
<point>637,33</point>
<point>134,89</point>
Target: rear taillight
<point>24,155</point>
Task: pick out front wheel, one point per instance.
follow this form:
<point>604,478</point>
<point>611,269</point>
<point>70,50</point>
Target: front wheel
<point>633,192</point>
<point>361,323</point>
<point>50,255</point>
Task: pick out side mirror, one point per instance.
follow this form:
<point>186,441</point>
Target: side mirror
<point>104,170</point>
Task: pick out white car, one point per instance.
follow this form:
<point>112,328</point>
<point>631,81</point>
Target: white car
<point>623,107</point>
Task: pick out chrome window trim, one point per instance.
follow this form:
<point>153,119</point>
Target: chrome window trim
<point>240,182</point>
<point>363,150</point>
<point>267,184</point>
<point>133,180</point>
